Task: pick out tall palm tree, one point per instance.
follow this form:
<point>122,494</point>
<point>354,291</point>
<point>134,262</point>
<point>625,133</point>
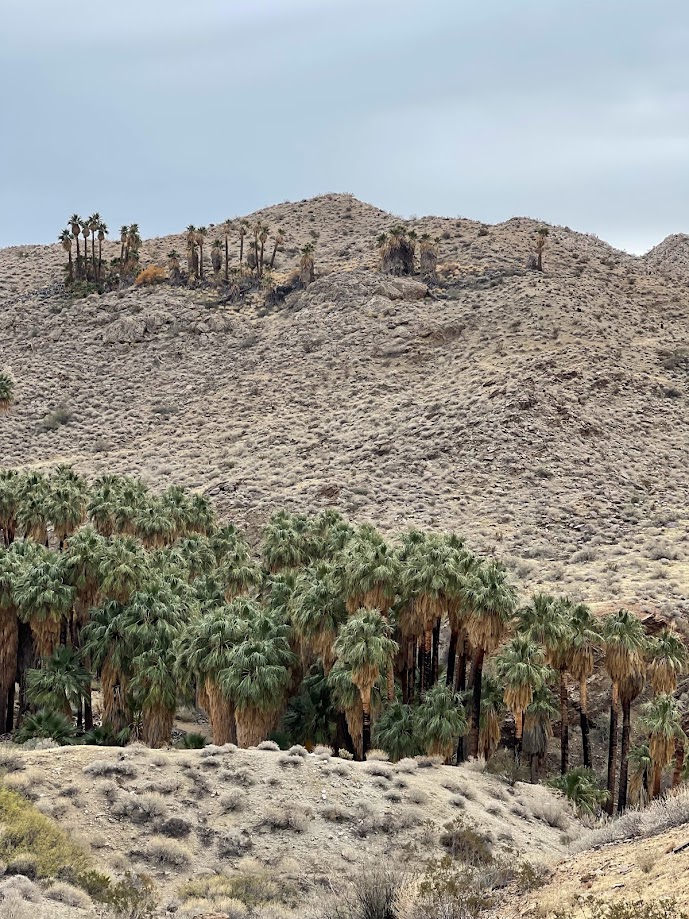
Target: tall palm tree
<point>492,711</point>
<point>216,257</point>
<point>625,643</point>
<point>66,241</point>
<point>521,669</point>
<point>317,611</point>
<point>586,640</point>
<point>640,766</point>
<point>86,232</point>
<point>662,719</point>
<point>124,235</point>
<point>538,729</point>
<point>365,647</point>
<point>306,264</point>
<point>263,238</point>
<point>93,223</point>
<point>631,688</point>
<point>75,223</point>
<point>6,392</point>
<point>243,230</point>
<point>668,659</point>
<point>192,255</point>
<point>102,230</point>
<point>440,721</point>
<point>43,598</point>
<point>278,243</point>
<point>173,264</point>
<point>66,506</point>
<point>490,601</point>
<point>10,481</point>
<point>154,690</point>
<point>227,229</point>
<point>201,234</point>
<point>10,566</point>
<point>124,568</point>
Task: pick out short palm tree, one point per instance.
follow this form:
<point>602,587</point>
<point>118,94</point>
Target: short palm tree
<point>395,731</point>
<point>6,392</point>
<point>201,234</point>
<point>47,725</point>
<point>521,669</point>
<point>216,257</point>
<point>492,711</point>
<point>102,231</point>
<point>278,243</point>
<point>538,729</point>
<point>541,237</point>
<point>586,640</point>
<point>640,767</point>
<point>662,719</point>
<point>440,721</point>
<point>62,682</point>
<point>365,648</point>
<point>490,601</point>
<point>625,643</point>
<point>580,786</point>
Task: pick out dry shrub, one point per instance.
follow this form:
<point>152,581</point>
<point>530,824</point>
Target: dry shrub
<point>227,907</point>
<point>466,843</point>
<point>139,808</point>
<point>20,886</point>
<point>154,274</point>
<point>323,751</point>
<point>377,755</point>
<point>297,750</point>
<point>287,759</point>
<point>107,767</point>
<point>335,813</point>
<point>68,894</point>
<point>406,766</point>
<point>174,827</point>
<point>234,843</point>
<point>379,769</point>
<point>417,796</point>
<point>167,852</point>
<point>232,800</point>
<point>340,768</point>
<point>25,783</point>
<point>10,758</point>
<point>288,817</point>
<point>551,813</point>
<point>251,889</point>
<point>268,746</point>
<point>240,777</point>
<point>165,785</point>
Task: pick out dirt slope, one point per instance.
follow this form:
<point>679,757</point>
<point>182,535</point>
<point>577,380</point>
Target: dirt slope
<point>542,416</point>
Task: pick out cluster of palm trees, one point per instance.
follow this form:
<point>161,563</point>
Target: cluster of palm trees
<point>88,266</point>
<point>397,250</point>
<point>259,255</point>
<point>331,634</point>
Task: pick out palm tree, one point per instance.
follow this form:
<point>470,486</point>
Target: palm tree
<point>521,669</point>
<point>581,787</point>
<point>192,256</point>
<point>541,237</point>
<point>173,264</point>
<point>62,682</point>
<point>133,243</point>
<point>440,721</point>
<point>201,234</point>
<point>124,568</point>
<point>216,257</point>
<point>66,506</point>
<point>278,243</point>
<point>154,690</point>
<point>124,235</point>
<point>243,230</point>
<point>538,729</point>
<point>43,597</point>
<point>86,232</point>
<point>662,719</point>
<point>75,222</point>
<point>306,264</point>
<point>227,229</point>
<point>548,622</point>
<point>317,611</point>
<point>586,639</point>
<point>490,602</point>
<point>365,647</point>
<point>395,731</point>
<point>631,688</point>
<point>263,238</point>
<point>625,642</point>
<point>257,675</point>
<point>640,765</point>
<point>6,392</point>
<point>66,241</point>
<point>492,711</point>
<point>10,565</point>
<point>668,658</point>
<point>93,223</point>
<point>102,233</point>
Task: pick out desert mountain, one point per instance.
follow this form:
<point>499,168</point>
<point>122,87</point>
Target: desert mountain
<point>541,415</point>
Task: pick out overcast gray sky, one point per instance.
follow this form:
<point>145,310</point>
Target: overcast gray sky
<point>169,112</point>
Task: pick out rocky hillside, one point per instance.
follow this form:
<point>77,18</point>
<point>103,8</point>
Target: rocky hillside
<point>671,256</point>
<point>543,416</point>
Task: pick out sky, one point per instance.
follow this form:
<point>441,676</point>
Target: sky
<point>170,112</point>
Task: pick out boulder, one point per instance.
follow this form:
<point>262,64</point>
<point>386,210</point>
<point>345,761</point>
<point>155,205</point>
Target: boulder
<point>402,289</point>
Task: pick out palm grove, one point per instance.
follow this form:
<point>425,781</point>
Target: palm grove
<point>331,634</point>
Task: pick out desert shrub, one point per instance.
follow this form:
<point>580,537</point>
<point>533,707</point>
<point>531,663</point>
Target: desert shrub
<point>335,813</point>
<point>428,762</point>
<point>227,907</point>
<point>234,843</point>
<point>56,419</point>
<point>107,767</point>
<point>167,852</point>
<point>393,796</point>
<point>268,745</point>
<point>22,887</point>
<point>458,802</point>
<point>552,814</point>
<point>10,758</point>
<point>406,765</point>
<point>68,894</point>
<point>153,274</point>
<point>372,895</point>
<point>24,865</point>
<point>284,818</point>
<point>232,800</point>
<point>103,735</point>
<point>380,769</point>
<point>624,909</point>
<point>287,759</point>
<point>191,741</point>
<point>417,796</point>
<point>345,754</point>
<point>323,751</point>
<point>174,827</point>
<point>242,777</point>
<point>297,750</point>
<point>340,769</point>
<point>139,808</point>
<point>251,889</point>
<point>465,843</point>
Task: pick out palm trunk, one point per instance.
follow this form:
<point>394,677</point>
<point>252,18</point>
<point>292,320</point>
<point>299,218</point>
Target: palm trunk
<point>612,750</point>
<point>343,739</point>
<point>451,658</point>
<point>624,751</point>
<point>70,267</point>
<point>201,261</point>
<point>227,260</point>
<point>585,739</point>
<point>518,735</point>
<point>93,254</point>
<point>272,257</point>
<point>26,659</point>
<point>462,669</point>
<point>657,776</point>
<point>157,726</point>
<point>436,651</point>
<point>253,726</point>
<point>533,769</point>
<point>391,683</point>
<point>100,258</point>
<point>121,255</point>
<point>260,261</point>
<point>411,670</point>
<point>679,762</point>
<point>428,659</point>
<point>366,726</point>
<point>220,714</point>
<point>9,642</point>
<point>9,714</point>
<point>564,724</point>
<point>421,664</point>
<point>476,701</point>
<point>78,256</point>
<point>241,251</point>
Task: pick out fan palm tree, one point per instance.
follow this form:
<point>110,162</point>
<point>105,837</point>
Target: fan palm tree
<point>227,229</point>
<point>440,721</point>
<point>668,658</point>
<point>66,241</point>
<point>216,257</point>
<point>124,568</point>
<point>62,682</point>
<point>541,237</point>
<point>6,392</point>
<point>306,264</point>
<point>492,711</point>
<point>86,233</point>
<point>278,243</point>
<point>631,688</point>
<point>365,647</point>
<point>581,787</point>
<point>490,601</point>
<point>662,719</point>
<point>586,639</point>
<point>154,691</point>
<point>317,611</point>
<point>43,598</point>
<point>174,267</point>
<point>625,643</point>
<point>10,565</point>
<point>257,675</point>
<point>201,234</point>
<point>262,238</point>
<point>521,669</point>
<point>104,641</point>
<point>243,230</point>
<point>92,223</point>
<point>395,731</point>
<point>124,234</point>
<point>66,506</point>
<point>640,767</point>
<point>371,571</point>
<point>102,231</point>
<point>538,729</point>
<point>10,482</point>
<point>192,255</point>
<point>75,223</point>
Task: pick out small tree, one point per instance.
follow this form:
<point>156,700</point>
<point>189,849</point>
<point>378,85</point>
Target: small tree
<point>66,241</point>
<point>440,721</point>
<point>541,237</point>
